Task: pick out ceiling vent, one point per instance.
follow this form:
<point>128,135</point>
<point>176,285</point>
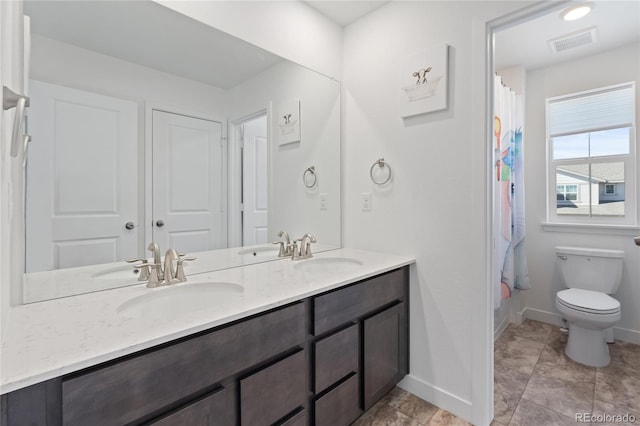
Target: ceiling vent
<point>573,40</point>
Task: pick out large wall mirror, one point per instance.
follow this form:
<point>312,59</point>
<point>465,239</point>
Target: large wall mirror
<point>149,126</point>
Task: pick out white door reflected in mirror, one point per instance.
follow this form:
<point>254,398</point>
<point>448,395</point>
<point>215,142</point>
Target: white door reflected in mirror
<point>187,183</point>
<point>82,178</point>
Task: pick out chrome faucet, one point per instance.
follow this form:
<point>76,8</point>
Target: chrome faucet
<point>285,246</point>
<point>155,272</point>
<point>303,249</point>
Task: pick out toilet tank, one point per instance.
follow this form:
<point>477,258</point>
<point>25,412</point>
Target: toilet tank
<point>590,268</point>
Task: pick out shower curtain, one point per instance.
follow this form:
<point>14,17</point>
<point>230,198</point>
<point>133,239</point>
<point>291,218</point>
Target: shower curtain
<point>509,229</point>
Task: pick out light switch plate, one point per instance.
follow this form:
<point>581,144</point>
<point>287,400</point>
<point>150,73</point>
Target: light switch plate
<point>366,201</point>
<point>323,201</point>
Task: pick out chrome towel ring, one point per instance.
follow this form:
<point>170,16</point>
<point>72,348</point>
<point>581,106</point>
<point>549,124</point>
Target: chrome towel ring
<point>309,177</point>
<point>382,164</point>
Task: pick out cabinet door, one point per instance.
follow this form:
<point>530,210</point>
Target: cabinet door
<point>274,392</point>
<point>385,354</point>
<point>208,411</point>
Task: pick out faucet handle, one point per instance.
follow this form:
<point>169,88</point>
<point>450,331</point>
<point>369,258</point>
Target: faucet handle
<point>152,274</point>
<point>305,245</point>
<point>144,267</point>
<point>180,276</point>
<point>282,252</point>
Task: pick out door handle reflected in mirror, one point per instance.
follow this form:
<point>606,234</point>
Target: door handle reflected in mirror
<point>129,225</point>
<point>159,223</point>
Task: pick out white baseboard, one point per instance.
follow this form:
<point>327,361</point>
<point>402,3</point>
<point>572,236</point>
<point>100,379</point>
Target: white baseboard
<point>552,318</point>
<point>438,397</point>
<point>518,317</point>
<point>626,335</point>
<point>501,327</point>
<point>619,333</point>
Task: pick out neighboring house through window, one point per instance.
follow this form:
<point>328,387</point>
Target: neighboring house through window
<point>591,163</point>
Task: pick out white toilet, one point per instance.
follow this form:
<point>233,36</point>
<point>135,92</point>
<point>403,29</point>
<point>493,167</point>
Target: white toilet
<point>590,275</point>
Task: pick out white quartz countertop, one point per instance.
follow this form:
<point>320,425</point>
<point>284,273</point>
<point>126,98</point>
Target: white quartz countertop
<point>48,339</point>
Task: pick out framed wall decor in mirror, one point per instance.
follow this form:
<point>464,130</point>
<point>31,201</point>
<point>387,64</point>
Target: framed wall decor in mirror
<point>149,126</point>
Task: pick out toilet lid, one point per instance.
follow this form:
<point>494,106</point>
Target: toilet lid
<point>588,301</point>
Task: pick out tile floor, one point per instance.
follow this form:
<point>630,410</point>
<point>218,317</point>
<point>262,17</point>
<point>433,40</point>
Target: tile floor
<point>401,408</point>
<point>535,385</point>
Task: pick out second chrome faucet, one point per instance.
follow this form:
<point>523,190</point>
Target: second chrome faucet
<point>293,249</point>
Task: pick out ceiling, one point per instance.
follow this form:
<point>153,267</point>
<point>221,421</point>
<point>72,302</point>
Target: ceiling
<point>153,36</point>
<point>344,12</point>
<point>617,22</point>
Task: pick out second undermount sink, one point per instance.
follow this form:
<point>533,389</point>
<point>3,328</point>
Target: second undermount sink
<point>182,298</point>
<point>328,264</point>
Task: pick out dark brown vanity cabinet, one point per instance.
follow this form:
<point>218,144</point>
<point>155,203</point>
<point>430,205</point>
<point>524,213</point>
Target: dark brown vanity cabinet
<point>320,361</point>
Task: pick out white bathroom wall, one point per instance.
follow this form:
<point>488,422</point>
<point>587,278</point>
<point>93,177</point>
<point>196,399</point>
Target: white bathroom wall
<point>290,29</point>
<point>614,66</point>
<point>513,77</point>
<point>60,63</point>
<point>319,146</point>
<point>435,205</point>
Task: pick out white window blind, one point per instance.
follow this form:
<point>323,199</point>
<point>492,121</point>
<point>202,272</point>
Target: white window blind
<point>590,111</point>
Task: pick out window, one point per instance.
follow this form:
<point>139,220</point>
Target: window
<point>591,156</point>
<point>610,189</point>
<point>566,193</point>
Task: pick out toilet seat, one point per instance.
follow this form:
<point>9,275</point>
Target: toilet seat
<point>593,302</point>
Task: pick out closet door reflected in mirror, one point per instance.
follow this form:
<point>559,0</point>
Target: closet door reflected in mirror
<point>82,179</point>
<point>188,178</point>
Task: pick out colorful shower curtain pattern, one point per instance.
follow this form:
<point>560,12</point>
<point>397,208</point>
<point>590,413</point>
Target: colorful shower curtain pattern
<point>509,194</point>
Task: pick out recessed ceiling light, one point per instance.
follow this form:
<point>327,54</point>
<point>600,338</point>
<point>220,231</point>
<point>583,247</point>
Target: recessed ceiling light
<point>576,12</point>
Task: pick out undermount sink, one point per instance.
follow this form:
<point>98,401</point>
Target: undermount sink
<point>267,251</point>
<point>117,273</point>
<point>328,264</point>
<point>181,298</point>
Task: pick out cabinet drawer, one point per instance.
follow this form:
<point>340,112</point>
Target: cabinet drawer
<point>341,406</point>
<point>272,393</point>
<point>144,384</point>
<point>336,356</point>
<point>341,306</point>
<point>209,411</point>
<point>299,419</point>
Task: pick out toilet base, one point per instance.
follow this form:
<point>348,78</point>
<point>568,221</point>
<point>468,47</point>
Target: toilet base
<point>587,346</point>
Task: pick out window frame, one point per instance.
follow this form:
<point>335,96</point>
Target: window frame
<point>629,160</point>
